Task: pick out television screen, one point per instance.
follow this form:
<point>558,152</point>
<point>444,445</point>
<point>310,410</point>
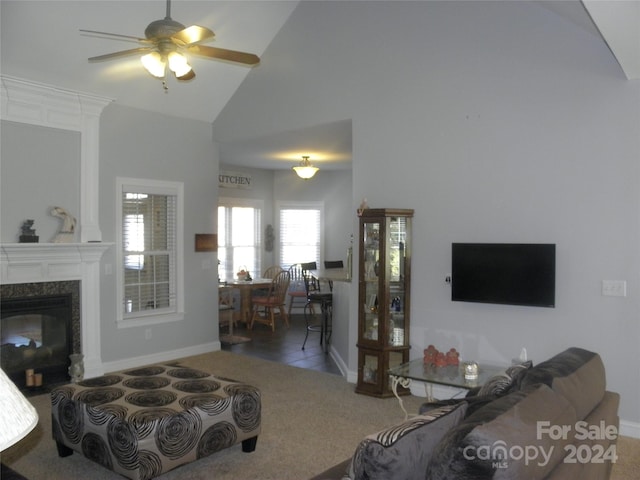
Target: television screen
<point>504,273</point>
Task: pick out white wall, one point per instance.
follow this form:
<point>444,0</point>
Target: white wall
<point>495,121</point>
<point>40,169</point>
<point>135,143</point>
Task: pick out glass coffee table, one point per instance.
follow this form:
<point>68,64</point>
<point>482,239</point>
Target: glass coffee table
<point>450,376</point>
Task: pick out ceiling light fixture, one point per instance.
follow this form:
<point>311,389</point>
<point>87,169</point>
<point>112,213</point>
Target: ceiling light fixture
<point>156,64</point>
<point>305,170</point>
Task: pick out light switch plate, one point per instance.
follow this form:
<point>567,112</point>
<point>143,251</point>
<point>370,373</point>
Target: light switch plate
<point>614,288</point>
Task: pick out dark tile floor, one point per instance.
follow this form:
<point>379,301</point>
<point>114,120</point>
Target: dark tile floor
<point>284,345</point>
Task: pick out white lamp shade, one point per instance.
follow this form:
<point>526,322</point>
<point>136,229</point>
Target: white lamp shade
<point>305,170</point>
<point>178,64</point>
<point>17,416</point>
<point>154,63</point>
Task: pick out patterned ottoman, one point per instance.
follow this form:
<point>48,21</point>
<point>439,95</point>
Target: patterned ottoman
<point>146,421</point>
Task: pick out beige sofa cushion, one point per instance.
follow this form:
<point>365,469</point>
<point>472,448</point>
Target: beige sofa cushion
<point>576,374</point>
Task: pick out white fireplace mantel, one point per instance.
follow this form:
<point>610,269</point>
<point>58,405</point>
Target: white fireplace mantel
<point>51,262</point>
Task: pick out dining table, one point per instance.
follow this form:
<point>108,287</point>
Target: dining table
<point>246,288</point>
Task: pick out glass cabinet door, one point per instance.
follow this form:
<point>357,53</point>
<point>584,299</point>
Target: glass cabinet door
<point>371,243</point>
<point>396,244</point>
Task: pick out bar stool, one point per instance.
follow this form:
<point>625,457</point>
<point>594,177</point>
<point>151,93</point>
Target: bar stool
<point>325,300</point>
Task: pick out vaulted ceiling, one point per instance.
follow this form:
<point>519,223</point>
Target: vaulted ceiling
<point>41,41</point>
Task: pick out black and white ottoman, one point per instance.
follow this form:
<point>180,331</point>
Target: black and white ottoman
<point>146,421</point>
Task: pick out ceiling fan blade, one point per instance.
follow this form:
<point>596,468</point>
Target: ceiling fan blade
<point>192,34</point>
<point>117,35</point>
<point>122,53</point>
<point>223,54</point>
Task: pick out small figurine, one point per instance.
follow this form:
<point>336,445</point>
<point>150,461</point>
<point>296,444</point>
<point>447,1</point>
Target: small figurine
<point>66,233</point>
<point>441,360</point>
<point>453,357</point>
<point>430,355</point>
<point>28,233</point>
<point>363,206</point>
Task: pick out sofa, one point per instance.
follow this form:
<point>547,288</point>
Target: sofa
<point>553,420</point>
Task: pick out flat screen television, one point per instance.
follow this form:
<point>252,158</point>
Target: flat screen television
<point>504,273</point>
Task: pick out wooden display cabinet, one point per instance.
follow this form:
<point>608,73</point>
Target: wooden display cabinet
<point>384,279</point>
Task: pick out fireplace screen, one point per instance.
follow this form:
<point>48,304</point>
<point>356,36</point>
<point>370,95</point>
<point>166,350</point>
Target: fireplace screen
<point>36,334</point>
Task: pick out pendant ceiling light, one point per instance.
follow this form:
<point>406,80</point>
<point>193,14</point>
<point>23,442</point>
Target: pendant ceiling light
<point>305,169</point>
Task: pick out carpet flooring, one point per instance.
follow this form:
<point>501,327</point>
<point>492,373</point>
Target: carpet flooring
<point>311,421</point>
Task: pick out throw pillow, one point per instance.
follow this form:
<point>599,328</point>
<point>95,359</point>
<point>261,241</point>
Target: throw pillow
<point>403,451</point>
<point>505,382</point>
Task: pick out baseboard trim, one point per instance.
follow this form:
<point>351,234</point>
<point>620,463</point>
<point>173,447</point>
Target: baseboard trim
<point>161,357</point>
<point>338,360</point>
<point>629,429</point>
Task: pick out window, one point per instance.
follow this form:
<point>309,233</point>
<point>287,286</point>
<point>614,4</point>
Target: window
<point>300,233</point>
<point>150,276</point>
<point>239,242</point>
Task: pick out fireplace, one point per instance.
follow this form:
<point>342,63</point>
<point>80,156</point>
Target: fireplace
<point>40,328</point>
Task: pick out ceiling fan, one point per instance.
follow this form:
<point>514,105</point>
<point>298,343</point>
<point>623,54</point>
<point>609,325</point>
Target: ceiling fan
<point>166,43</point>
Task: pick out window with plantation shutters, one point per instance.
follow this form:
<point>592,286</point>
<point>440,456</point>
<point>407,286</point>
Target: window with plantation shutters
<point>150,273</point>
<point>239,238</point>
<point>300,233</point>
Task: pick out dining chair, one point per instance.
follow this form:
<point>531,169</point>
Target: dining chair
<point>274,300</point>
<point>297,290</point>
<point>272,271</point>
<point>225,307</point>
<point>321,325</point>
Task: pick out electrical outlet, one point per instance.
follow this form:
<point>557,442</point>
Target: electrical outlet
<point>614,288</point>
<point>147,334</point>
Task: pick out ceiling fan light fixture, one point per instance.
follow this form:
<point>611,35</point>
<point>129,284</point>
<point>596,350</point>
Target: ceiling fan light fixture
<point>165,39</point>
<point>305,170</point>
<point>154,63</point>
<point>178,64</point>
<point>187,76</point>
